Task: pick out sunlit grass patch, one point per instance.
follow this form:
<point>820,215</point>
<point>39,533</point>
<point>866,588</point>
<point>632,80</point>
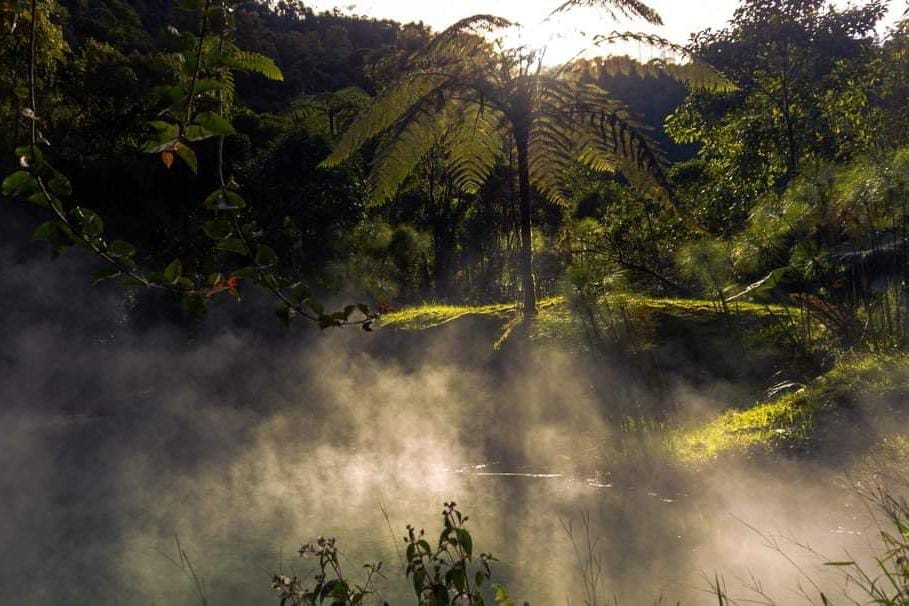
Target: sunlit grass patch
<point>791,418</point>
<point>741,430</point>
<point>555,322</point>
<point>430,315</point>
<point>696,307</point>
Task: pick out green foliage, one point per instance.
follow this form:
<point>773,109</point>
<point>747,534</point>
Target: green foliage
<point>383,261</point>
<point>196,108</point>
<point>447,574</point>
<point>804,91</point>
<point>838,233</point>
<point>477,104</point>
<point>791,419</point>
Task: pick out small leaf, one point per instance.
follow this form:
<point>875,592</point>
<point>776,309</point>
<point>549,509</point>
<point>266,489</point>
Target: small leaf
<point>91,223</point>
<point>46,231</point>
<point>104,274</point>
<point>119,248</point>
<point>38,198</point>
<point>214,123</point>
<point>244,272</point>
<point>20,183</point>
<point>465,541</point>
<point>30,156</point>
<point>234,245</point>
<point>173,271</point>
<point>224,199</point>
<point>60,185</point>
<point>167,157</point>
<point>266,256</point>
<point>217,229</point>
<point>188,156</point>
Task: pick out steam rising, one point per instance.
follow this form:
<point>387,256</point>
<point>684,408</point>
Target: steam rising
<point>245,442</point>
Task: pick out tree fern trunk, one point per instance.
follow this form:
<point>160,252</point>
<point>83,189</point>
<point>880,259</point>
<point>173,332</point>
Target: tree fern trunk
<point>527,281</point>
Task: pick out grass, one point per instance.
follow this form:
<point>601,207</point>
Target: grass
<point>791,418</point>
<point>431,315</point>
<point>555,317</point>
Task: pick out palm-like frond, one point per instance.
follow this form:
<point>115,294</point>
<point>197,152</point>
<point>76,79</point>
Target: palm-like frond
<point>615,8</point>
<point>552,148</point>
<point>401,149</point>
<point>469,135</point>
<point>678,62</point>
<point>463,38</point>
<point>474,144</point>
<point>385,111</point>
<point>248,61</point>
<point>339,108</point>
<point>579,123</point>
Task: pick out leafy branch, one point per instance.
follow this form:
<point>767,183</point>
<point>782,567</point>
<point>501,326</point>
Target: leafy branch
<point>196,109</point>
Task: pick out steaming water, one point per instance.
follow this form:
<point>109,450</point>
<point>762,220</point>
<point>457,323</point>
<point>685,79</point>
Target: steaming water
<point>245,443</point>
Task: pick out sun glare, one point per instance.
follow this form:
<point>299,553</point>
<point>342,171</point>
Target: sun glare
<point>558,39</point>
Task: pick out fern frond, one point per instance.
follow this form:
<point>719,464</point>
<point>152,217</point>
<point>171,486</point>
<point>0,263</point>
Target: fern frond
<point>252,62</point>
<point>615,8</point>
<point>474,144</point>
<point>678,63</point>
<point>340,106</point>
<point>552,147</point>
<point>608,138</point>
<point>385,111</point>
<point>399,152</point>
<point>229,91</point>
<point>475,24</point>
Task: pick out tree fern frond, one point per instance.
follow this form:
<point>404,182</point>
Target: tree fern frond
<point>339,107</point>
<point>609,138</point>
<point>399,152</point>
<point>386,110</point>
<point>476,24</point>
<point>249,61</point>
<point>680,64</point>
<point>694,75</point>
<point>553,147</point>
<point>464,38</point>
<point>474,144</point>
<point>615,8</point>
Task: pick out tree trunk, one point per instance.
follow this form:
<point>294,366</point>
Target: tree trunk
<point>526,264</point>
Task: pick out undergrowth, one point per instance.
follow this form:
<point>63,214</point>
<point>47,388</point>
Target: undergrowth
<point>789,420</point>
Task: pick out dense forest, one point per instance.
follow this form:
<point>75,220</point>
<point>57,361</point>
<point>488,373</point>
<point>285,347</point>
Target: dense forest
<point>731,211</point>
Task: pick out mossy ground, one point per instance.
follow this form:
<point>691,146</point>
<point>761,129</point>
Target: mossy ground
<point>430,315</point>
<point>790,420</point>
<point>557,321</point>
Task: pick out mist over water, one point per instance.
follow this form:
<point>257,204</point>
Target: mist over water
<point>120,433</point>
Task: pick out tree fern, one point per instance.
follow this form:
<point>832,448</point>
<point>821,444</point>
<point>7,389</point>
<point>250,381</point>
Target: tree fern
<point>615,9</point>
<point>477,103</point>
